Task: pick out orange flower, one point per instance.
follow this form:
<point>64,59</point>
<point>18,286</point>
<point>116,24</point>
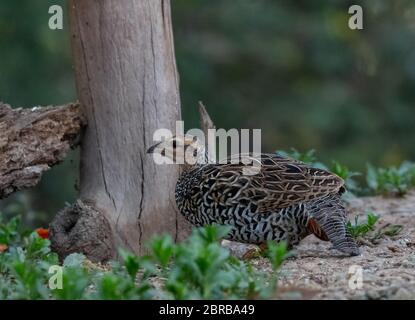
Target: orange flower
<point>3,248</point>
<point>43,233</point>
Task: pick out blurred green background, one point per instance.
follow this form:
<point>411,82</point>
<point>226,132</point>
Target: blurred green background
<point>292,68</point>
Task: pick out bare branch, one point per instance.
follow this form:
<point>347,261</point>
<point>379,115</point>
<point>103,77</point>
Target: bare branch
<point>33,140</point>
<point>206,122</point>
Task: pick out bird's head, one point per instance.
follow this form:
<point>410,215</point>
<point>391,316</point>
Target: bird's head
<point>187,150</point>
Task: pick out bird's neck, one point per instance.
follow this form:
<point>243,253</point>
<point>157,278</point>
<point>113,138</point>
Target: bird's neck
<point>203,158</point>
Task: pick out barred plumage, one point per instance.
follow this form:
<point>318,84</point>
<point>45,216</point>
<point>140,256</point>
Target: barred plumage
<point>286,200</point>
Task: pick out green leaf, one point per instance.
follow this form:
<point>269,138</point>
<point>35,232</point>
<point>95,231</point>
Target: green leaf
<point>75,281</point>
<point>36,247</point>
<point>371,220</point>
<point>131,263</point>
<point>277,253</point>
<point>358,230</point>
<point>211,233</point>
<point>372,177</point>
<point>162,248</point>
<point>9,232</point>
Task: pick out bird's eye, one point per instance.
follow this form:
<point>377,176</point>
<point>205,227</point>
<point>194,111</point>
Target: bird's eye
<point>174,143</point>
<point>194,153</point>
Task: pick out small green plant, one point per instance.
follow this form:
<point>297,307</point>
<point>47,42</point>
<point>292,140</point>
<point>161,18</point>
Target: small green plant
<point>392,180</point>
<point>348,176</point>
<point>306,157</point>
<point>361,229</point>
<point>9,232</point>
<point>199,268</point>
<point>395,181</point>
<point>370,231</point>
<point>277,253</point>
<point>388,230</point>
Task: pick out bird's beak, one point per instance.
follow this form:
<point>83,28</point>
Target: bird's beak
<point>152,148</point>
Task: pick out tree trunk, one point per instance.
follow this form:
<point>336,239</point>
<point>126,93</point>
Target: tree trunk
<point>128,86</point>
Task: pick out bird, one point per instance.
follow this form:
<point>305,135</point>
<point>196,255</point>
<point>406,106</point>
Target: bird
<point>286,200</point>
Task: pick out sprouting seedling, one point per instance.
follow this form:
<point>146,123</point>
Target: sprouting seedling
<point>277,253</point>
<point>391,180</point>
<point>392,230</point>
<point>361,229</point>
<point>348,176</point>
<point>388,230</point>
<point>306,157</point>
<point>368,229</point>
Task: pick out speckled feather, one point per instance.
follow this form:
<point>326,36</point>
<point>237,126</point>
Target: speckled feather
<point>287,200</point>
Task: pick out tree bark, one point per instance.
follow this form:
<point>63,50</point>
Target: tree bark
<point>32,141</point>
<point>127,84</point>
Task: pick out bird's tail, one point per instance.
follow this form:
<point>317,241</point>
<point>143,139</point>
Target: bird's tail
<point>328,222</point>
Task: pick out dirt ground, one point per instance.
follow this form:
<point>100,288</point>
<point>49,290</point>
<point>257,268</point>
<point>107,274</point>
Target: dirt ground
<point>387,268</point>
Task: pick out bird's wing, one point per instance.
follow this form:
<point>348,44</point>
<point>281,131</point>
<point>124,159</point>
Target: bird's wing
<point>280,182</point>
